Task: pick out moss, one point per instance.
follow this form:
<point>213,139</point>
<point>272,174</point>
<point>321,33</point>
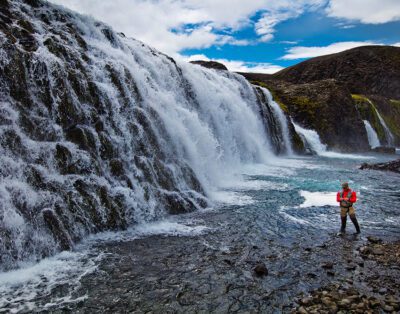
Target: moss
<point>366,108</point>
<point>393,119</point>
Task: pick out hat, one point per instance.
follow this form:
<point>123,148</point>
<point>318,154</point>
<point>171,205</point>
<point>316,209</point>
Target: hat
<point>345,185</point>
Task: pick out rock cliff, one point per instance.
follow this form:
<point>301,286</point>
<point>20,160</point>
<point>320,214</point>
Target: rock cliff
<point>334,93</point>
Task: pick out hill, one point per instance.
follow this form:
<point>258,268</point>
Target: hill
<point>322,92</point>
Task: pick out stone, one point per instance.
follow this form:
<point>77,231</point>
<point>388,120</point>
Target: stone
<point>374,240</point>
<point>327,265</point>
<point>388,308</point>
<point>260,270</point>
<point>345,303</point>
<point>306,301</point>
<point>351,267</point>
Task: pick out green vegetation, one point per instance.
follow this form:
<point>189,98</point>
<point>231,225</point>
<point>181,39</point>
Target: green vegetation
<point>367,112</point>
<point>393,120</point>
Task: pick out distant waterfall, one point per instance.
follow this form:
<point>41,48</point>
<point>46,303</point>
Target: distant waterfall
<point>99,131</point>
<point>373,139</point>
<point>312,139</point>
<point>388,135</point>
<point>282,122</point>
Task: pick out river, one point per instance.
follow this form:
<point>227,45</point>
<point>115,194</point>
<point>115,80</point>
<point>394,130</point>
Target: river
<point>283,214</point>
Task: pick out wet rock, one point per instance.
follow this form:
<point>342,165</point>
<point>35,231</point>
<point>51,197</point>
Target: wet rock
<point>117,167</point>
<point>393,166</point>
<point>374,240</point>
<point>57,228</point>
<point>351,267</point>
<point>260,270</point>
<point>388,308</point>
<point>327,265</point>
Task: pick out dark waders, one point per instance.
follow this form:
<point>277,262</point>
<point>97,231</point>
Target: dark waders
<point>352,214</point>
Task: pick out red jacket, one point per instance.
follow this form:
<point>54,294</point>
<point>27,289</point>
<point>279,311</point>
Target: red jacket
<point>353,197</point>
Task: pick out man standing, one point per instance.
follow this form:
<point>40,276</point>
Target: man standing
<point>346,199</point>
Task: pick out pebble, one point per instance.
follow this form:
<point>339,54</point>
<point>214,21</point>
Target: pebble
<point>327,265</point>
<point>388,308</point>
<point>374,240</point>
<point>261,270</point>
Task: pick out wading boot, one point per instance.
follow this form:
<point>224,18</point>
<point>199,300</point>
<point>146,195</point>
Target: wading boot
<point>355,223</point>
<point>343,227</point>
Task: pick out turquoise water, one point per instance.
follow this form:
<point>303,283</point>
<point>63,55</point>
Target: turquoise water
<point>270,212</point>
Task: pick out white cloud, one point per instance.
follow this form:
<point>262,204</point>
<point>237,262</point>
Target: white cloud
<point>301,52</point>
<point>396,44</point>
<point>279,11</point>
<point>161,24</point>
<point>239,66</point>
<point>365,11</point>
<point>164,24</point>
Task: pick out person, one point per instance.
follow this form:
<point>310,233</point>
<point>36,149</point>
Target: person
<point>346,198</point>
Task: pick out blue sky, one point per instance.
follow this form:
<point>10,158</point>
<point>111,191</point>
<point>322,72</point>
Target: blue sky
<point>250,35</point>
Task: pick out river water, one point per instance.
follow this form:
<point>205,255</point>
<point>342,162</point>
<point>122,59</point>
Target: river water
<point>203,261</point>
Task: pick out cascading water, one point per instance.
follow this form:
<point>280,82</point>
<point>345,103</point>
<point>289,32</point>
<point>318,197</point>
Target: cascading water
<point>373,139</point>
<point>282,124</point>
<point>311,139</point>
<point>388,135</point>
<point>98,131</point>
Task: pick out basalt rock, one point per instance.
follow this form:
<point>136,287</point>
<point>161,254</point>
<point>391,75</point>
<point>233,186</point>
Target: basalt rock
<point>318,94</point>
<point>325,106</point>
<point>393,166</point>
<point>210,64</point>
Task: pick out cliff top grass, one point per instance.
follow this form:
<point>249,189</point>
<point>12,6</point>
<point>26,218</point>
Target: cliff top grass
<point>360,98</point>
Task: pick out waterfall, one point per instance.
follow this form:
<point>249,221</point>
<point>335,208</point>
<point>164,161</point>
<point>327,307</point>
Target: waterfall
<point>388,135</point>
<point>373,139</point>
<point>99,131</point>
<point>311,139</point>
<point>282,122</point>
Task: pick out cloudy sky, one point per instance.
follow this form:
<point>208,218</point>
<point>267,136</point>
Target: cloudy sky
<point>250,35</point>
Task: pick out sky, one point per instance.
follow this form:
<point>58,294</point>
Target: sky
<point>249,35</point>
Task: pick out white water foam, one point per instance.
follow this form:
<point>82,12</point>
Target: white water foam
<point>318,199</point>
<point>314,141</point>
<point>24,289</point>
<point>373,139</point>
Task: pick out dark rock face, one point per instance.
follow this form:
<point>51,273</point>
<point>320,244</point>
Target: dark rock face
<point>210,65</point>
<point>325,106</point>
<point>385,150</point>
<point>386,166</point>
<point>329,81</point>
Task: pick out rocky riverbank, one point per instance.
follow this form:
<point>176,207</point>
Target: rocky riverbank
<point>373,287</point>
<point>393,166</point>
